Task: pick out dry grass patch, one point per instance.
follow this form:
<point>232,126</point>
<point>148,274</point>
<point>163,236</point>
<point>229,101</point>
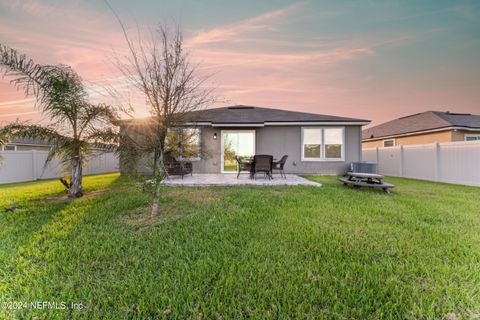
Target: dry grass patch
<point>174,204</point>
<point>197,197</point>
<point>66,197</point>
<point>140,218</point>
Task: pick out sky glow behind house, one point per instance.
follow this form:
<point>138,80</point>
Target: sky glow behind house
<point>375,60</point>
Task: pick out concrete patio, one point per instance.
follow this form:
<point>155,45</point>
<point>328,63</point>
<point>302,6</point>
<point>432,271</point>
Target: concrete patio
<point>231,180</point>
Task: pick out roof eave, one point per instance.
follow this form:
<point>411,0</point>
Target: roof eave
<point>277,123</point>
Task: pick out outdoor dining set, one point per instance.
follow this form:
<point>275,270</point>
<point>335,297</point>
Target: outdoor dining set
<point>261,163</point>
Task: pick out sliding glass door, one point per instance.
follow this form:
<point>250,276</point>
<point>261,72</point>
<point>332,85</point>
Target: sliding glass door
<point>239,143</point>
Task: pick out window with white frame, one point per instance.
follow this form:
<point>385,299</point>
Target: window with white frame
<point>389,143</point>
<point>472,137</point>
<point>323,144</point>
<point>312,143</point>
<point>333,143</point>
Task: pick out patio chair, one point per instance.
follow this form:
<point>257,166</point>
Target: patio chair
<point>262,163</point>
<point>278,165</point>
<point>175,167</point>
<point>243,165</point>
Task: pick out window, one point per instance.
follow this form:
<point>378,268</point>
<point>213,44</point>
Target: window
<point>322,144</point>
<point>236,143</point>
<point>312,143</point>
<point>190,143</point>
<point>183,143</point>
<point>389,143</point>
<point>472,137</point>
<point>9,147</point>
<point>333,143</point>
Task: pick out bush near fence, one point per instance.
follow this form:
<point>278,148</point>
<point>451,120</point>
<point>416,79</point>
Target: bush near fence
<point>18,166</point>
<point>451,162</point>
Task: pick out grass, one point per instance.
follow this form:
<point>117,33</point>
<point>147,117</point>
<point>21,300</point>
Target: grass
<point>242,252</point>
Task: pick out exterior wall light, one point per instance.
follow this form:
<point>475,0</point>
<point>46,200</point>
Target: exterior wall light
<point>215,136</point>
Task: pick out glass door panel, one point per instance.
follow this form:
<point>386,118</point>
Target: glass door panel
<point>236,143</point>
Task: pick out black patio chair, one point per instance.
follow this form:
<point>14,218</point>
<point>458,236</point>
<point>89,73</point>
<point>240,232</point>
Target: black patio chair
<point>243,164</point>
<point>177,168</point>
<point>262,163</point>
<point>278,165</point>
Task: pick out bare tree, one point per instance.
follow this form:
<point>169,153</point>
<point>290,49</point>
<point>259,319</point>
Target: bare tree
<point>161,70</point>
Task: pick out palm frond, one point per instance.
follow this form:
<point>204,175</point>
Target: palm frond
<point>3,140</point>
<point>31,131</point>
<point>38,133</point>
<point>106,139</point>
<point>94,117</point>
<point>59,90</point>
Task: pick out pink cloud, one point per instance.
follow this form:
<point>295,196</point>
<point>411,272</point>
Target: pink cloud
<point>33,7</point>
<point>260,22</point>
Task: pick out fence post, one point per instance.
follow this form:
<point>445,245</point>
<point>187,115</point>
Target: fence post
<point>34,164</point>
<point>436,163</point>
<point>376,156</point>
<point>401,160</point>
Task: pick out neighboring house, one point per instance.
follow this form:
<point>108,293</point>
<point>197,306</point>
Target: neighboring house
<point>425,127</point>
<point>25,145</point>
<point>314,143</point>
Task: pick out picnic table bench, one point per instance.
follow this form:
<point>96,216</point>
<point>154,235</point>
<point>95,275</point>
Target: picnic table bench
<point>361,179</point>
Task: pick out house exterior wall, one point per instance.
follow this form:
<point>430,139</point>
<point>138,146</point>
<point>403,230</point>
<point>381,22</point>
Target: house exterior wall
<point>274,140</point>
<point>288,140</point>
<point>144,164</point>
<point>210,150</point>
<point>441,136</point>
<point>277,141</point>
<point>459,135</point>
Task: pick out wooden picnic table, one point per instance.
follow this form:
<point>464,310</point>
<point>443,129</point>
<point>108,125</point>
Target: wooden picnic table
<point>367,177</point>
<point>361,179</point>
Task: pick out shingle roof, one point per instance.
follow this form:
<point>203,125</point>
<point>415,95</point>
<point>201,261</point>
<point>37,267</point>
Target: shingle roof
<point>460,119</point>
<point>428,120</point>
<point>241,114</point>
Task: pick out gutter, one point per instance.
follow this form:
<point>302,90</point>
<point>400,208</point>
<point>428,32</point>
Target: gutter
<point>278,123</point>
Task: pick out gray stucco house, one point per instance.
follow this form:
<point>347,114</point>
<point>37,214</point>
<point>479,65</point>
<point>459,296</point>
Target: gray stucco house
<point>314,143</point>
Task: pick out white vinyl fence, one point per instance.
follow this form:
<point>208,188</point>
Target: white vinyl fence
<point>17,166</point>
<point>451,162</point>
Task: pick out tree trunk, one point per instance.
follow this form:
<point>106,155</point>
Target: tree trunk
<point>156,200</point>
<point>158,179</point>
<point>76,178</point>
<point>155,162</point>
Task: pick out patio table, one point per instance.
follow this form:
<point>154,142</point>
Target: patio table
<point>360,179</point>
<point>251,160</point>
<point>365,177</point>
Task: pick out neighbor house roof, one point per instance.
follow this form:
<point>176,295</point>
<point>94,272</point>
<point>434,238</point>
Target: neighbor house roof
<point>26,141</point>
<point>248,115</point>
<point>421,122</point>
<point>29,142</point>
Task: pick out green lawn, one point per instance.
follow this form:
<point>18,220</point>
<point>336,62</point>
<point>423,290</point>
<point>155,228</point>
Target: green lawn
<point>242,252</point>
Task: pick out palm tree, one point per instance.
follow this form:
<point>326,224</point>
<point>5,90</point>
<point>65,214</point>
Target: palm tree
<point>76,125</point>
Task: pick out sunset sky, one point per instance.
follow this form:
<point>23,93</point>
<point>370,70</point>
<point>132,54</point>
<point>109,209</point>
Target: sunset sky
<point>377,60</point>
